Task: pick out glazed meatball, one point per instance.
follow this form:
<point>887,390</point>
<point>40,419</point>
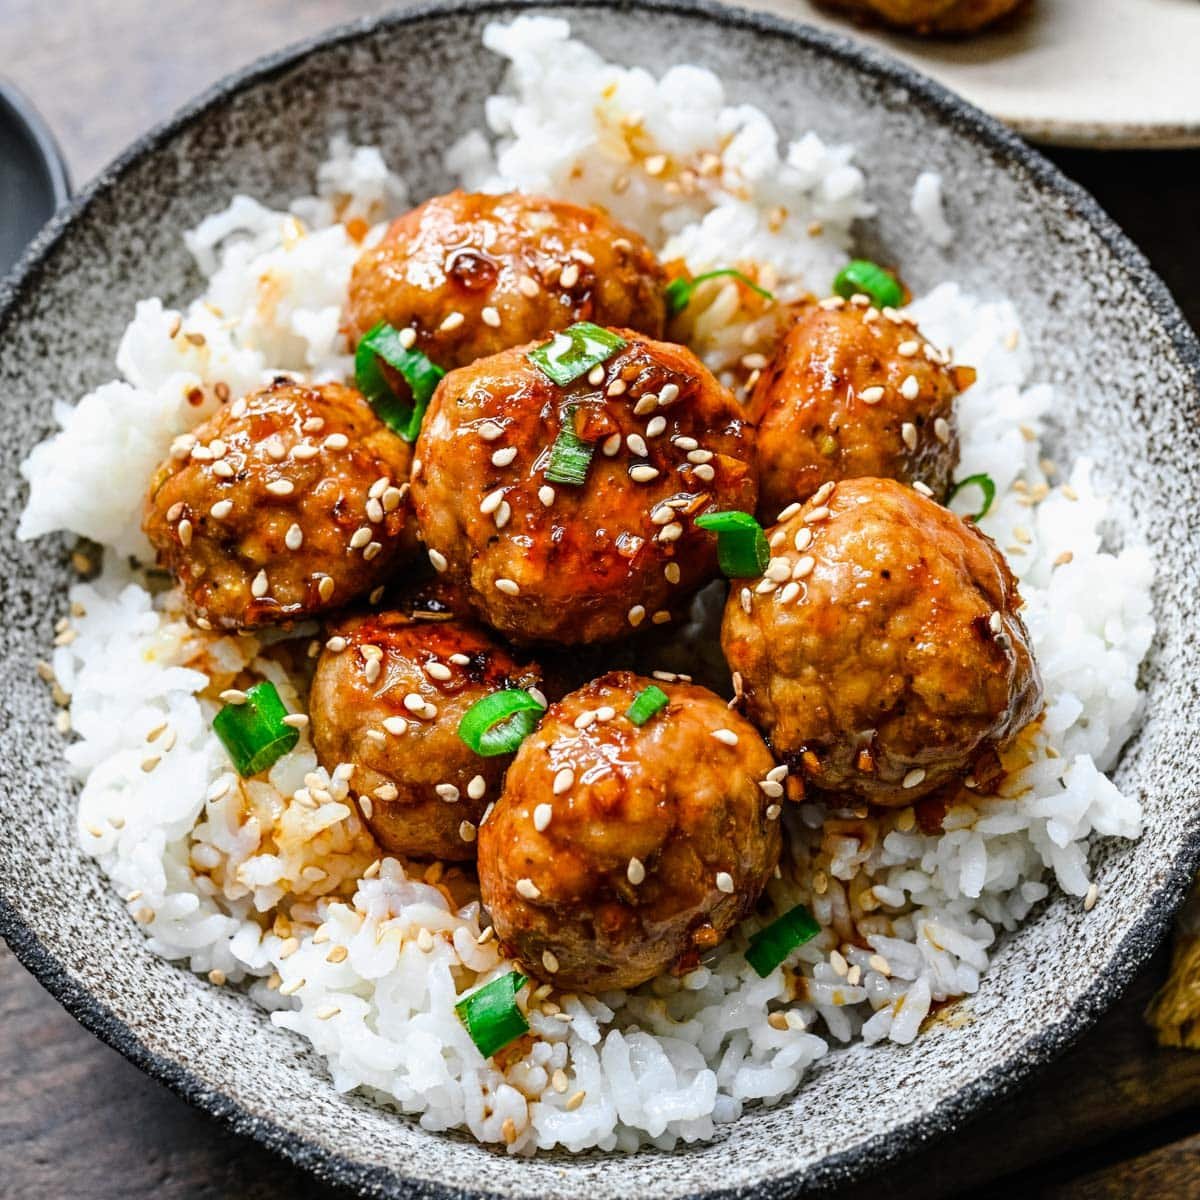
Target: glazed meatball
<point>550,561</point>
<point>932,16</point>
<point>284,504</point>
<point>603,863</point>
<point>388,694</point>
<point>852,392</point>
<point>476,274</point>
<point>883,653</point>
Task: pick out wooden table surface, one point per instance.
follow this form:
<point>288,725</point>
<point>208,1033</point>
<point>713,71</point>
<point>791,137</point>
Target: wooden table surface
<point>1116,1117</point>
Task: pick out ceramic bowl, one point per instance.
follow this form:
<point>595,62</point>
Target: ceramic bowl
<point>1100,324</point>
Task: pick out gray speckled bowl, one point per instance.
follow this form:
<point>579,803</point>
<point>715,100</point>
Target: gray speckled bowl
<point>1100,323</point>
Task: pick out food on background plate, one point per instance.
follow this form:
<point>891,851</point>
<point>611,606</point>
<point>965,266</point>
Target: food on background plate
<point>369,756</point>
<point>930,16</point>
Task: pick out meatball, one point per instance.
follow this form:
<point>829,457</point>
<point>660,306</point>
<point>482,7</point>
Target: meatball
<point>931,16</point>
<point>388,694</point>
<point>853,392</point>
<point>603,863</point>
<point>551,561</point>
<point>284,504</point>
<point>883,652</point>
<point>476,274</point>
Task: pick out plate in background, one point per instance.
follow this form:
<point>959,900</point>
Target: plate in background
<point>33,175</point>
<point>1103,73</point>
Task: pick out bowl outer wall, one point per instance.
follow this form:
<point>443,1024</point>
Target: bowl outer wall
<point>1099,323</point>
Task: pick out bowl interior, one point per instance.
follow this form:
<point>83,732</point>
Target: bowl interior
<point>1100,326</point>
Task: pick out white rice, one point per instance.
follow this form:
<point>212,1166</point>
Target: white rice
<point>277,886</point>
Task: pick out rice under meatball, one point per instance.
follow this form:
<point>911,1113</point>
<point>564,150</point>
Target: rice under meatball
<point>616,851</point>
<point>545,561</point>
<point>422,788</point>
<point>474,274</point>
<point>889,655</point>
<point>282,505</point>
<point>853,392</point>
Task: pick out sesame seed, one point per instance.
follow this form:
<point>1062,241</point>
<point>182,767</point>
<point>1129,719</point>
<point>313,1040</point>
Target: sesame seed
<point>914,777</point>
<point>546,495</point>
<point>611,445</point>
<point>923,488</point>
<point>258,588</point>
<point>391,499</point>
<point>910,389</point>
<point>185,532</point>
<point>304,451</point>
<point>491,501</point>
<point>374,511</point>
<point>503,515</point>
<point>563,781</point>
<point>490,316</point>
<point>508,586</point>
<point>585,719</point>
<point>528,889</point>
<point>616,388</point>
<point>569,276</point>
<point>371,670</point>
<point>789,593</point>
<point>528,286</point>
<point>336,644</point>
<point>605,712</point>
<point>646,403</point>
<point>281,487</point>
<point>820,513</point>
<point>725,882</point>
<point>643,473</point>
<point>437,560</point>
<point>447,792</point>
<point>769,787</point>
<point>596,375</point>
<point>637,445</point>
<point>789,512</point>
<point>336,441</point>
<point>778,569</point>
<point>662,617</point>
<point>672,573</point>
<point>671,533</point>
<point>662,514</point>
<point>773,811</point>
<point>490,431</point>
<point>1089,901</point>
<point>669,394</point>
<point>941,430</point>
<point>575,1101</point>
<point>437,670</point>
<point>502,458</point>
<point>360,537</point>
<point>408,338</point>
<point>451,322</point>
<point>294,538</point>
<point>726,736</point>
<point>746,600</point>
<point>837,960</point>
<point>804,567</point>
<point>397,726</point>
<point>705,472</point>
<point>908,433</point>
<point>871,395</point>
<point>655,426</point>
<point>221,509</point>
<point>296,720</point>
<point>636,615</point>
<point>325,588</point>
<point>995,622</point>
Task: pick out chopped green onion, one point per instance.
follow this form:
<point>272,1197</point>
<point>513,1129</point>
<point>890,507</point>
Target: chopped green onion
<point>863,277</point>
<point>985,484</point>
<point>492,1016</point>
<point>679,291</point>
<point>422,376</point>
<point>569,456</point>
<point>574,351</point>
<point>253,732</point>
<point>772,944</point>
<point>646,703</point>
<point>742,549</point>
<point>499,723</point>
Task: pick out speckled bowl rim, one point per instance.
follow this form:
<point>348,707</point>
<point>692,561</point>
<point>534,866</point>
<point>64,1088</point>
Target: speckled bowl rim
<point>835,1170</point>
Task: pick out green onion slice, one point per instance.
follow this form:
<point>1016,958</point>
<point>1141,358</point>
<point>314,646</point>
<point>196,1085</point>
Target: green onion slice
<point>679,292</point>
<point>985,484</point>
<point>422,376</point>
<point>742,549</point>
<point>772,944</point>
<point>253,732</point>
<point>499,723</point>
<point>492,1016</point>
<point>574,351</point>
<point>646,703</point>
<point>569,456</point>
<point>863,277</point>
